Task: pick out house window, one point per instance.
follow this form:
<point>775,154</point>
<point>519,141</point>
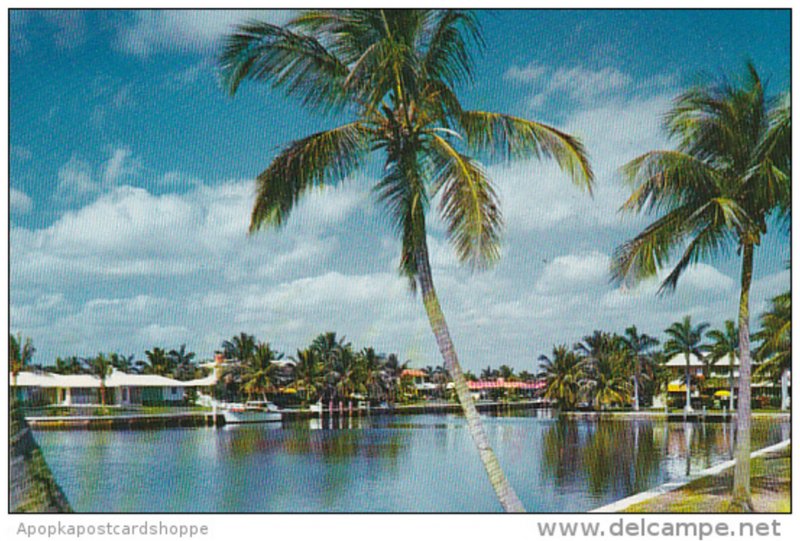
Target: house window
<point>174,390</point>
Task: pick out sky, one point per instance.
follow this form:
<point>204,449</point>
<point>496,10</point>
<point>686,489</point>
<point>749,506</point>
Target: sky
<point>132,179</point>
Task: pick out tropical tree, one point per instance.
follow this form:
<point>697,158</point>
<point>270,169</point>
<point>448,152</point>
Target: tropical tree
<point>119,362</point>
<point>393,373</point>
<point>183,361</point>
<point>604,379</point>
<point>775,351</point>
<point>259,373</point>
<point>730,174</point>
<point>636,347</point>
<point>687,340</point>
<point>563,373</point>
<point>725,344</point>
<point>101,367</point>
<point>396,71</point>
<point>240,348</point>
<point>372,367</point>
<point>20,355</point>
<point>309,373</point>
<point>159,362</point>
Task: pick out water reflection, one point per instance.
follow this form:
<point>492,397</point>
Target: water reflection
<point>382,463</point>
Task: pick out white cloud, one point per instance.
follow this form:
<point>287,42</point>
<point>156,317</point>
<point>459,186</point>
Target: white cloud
<point>19,201</point>
<point>574,273</point>
<point>186,31</point>
<point>79,180</point>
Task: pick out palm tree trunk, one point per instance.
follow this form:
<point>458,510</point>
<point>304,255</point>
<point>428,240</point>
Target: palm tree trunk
<point>785,389</point>
<point>742,500</point>
<point>688,406</point>
<point>505,492</point>
<point>730,398</point>
<point>636,385</point>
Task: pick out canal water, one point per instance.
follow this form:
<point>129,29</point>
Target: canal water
<point>419,463</point>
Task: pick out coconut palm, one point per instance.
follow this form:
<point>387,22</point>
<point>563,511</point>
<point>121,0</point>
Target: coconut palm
<point>259,372</point>
<point>687,340</point>
<point>120,362</point>
<point>775,351</point>
<point>101,367</point>
<point>183,361</point>
<point>563,373</point>
<point>636,347</point>
<point>730,173</point>
<point>309,374</point>
<point>395,71</point>
<point>725,344</point>
<point>20,355</point>
<point>158,362</point>
<point>604,380</point>
<point>240,348</point>
<point>372,366</point>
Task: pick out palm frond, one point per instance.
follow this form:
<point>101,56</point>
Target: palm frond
<point>663,180</point>
<point>509,137</point>
<point>447,58</point>
<point>469,204</point>
<point>298,63</point>
<point>322,158</point>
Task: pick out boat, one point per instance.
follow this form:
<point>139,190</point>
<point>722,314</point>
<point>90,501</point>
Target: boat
<point>254,411</point>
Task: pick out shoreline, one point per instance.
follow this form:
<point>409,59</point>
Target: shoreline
<point>207,419</point>
<point>620,505</point>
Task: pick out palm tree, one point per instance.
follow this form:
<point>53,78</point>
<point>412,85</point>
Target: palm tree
<point>686,339</point>
<point>636,347</point>
<point>20,355</point>
<point>725,343</point>
<point>118,361</point>
<point>393,372</point>
<point>240,348</point>
<point>604,380</point>
<point>258,376</point>
<point>730,174</point>
<point>100,366</point>
<point>563,373</point>
<point>775,351</point>
<point>372,365</point>
<point>309,373</point>
<point>183,361</point>
<point>158,362</point>
<point>396,71</point>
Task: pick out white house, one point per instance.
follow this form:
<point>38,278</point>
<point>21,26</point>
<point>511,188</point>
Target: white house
<point>120,388</point>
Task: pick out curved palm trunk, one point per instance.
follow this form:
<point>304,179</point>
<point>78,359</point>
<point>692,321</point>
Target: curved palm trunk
<point>741,474</point>
<point>505,492</point>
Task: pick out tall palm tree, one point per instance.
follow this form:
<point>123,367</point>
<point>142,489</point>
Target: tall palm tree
<point>20,355</point>
<point>259,374</point>
<point>563,373</point>
<point>636,347</point>
<point>309,374</point>
<point>120,362</point>
<point>100,366</point>
<point>395,71</point>
<point>687,340</point>
<point>725,344</point>
<point>775,351</point>
<point>730,174</point>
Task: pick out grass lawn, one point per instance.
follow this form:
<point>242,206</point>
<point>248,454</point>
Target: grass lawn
<point>770,481</point>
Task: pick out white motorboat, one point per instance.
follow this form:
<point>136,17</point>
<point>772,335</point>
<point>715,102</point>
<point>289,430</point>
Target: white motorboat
<point>255,411</point>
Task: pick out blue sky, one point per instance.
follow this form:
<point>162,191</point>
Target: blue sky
<point>131,183</point>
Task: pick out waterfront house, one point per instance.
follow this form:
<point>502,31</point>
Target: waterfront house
<point>121,389</point>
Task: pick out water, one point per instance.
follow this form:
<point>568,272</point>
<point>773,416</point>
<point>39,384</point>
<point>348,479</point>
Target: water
<point>424,463</point>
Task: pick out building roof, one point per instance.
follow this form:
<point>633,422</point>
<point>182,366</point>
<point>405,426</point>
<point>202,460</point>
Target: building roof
<point>412,373</point>
<point>680,361</point>
<point>116,379</point>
